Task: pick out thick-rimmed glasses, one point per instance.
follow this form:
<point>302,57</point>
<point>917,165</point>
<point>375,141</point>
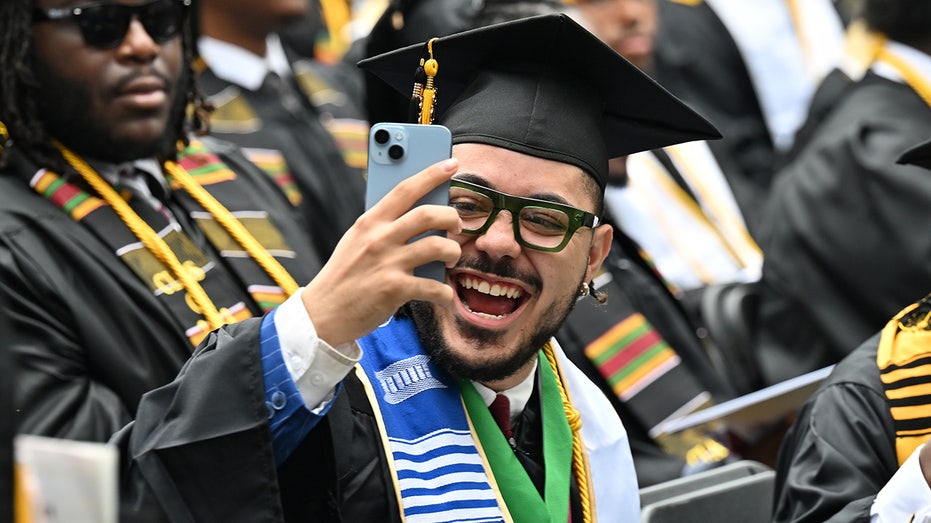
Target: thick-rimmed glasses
<point>104,24</point>
<point>538,224</point>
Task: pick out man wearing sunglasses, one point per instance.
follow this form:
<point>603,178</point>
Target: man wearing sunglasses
<point>118,252</point>
<point>461,406</point>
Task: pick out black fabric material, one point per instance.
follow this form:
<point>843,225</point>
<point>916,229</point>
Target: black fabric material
<point>338,474</point>
<point>919,155</point>
<point>716,83</point>
<point>841,449</point>
<point>93,337</point>
<point>644,293</point>
<point>846,242</point>
<point>551,96</point>
<point>825,98</point>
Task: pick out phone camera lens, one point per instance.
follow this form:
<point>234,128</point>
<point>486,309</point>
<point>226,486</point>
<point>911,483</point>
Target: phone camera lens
<point>381,137</point>
<point>395,152</point>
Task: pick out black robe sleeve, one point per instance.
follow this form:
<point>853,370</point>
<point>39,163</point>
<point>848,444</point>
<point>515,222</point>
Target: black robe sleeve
<point>841,450</point>
<point>200,448</point>
<point>845,244</point>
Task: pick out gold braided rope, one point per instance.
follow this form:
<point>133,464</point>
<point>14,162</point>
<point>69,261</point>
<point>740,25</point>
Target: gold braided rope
<point>911,77</point>
<point>579,461</point>
<point>235,228</point>
<point>150,239</point>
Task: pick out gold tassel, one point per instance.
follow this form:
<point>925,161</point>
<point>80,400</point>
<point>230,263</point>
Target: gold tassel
<point>430,67</point>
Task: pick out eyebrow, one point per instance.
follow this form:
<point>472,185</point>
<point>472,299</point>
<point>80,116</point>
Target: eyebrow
<point>478,180</point>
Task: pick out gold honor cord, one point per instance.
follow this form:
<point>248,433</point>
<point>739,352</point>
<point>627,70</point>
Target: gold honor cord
<point>150,239</point>
<point>580,467</point>
<point>235,228</point>
<point>157,246</point>
<point>911,76</point>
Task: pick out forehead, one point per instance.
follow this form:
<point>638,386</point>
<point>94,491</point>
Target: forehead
<point>524,175</point>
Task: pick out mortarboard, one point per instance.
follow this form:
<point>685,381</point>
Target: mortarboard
<point>546,87</point>
<point>919,155</point>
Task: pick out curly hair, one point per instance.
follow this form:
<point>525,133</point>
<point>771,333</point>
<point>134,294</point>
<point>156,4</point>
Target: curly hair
<point>18,85</point>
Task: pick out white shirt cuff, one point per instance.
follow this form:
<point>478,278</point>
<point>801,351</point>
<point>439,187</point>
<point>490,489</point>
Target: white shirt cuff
<point>316,367</point>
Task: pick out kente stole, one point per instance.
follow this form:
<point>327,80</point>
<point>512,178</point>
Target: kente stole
<point>904,361</point>
<point>443,447</point>
<point>219,280</point>
<point>643,370</point>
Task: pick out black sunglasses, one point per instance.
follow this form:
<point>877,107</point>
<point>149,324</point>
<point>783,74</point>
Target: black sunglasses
<point>104,24</point>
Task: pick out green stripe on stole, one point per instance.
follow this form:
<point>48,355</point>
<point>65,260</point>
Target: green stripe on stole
<point>523,501</point>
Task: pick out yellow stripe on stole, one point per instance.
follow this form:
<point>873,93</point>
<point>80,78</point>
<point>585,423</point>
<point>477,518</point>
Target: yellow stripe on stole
<point>619,331</point>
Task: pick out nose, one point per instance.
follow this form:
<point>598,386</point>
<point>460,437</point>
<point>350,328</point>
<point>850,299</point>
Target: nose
<point>499,240</point>
<point>137,44</point>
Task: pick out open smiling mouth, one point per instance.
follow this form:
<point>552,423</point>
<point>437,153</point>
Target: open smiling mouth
<point>492,300</point>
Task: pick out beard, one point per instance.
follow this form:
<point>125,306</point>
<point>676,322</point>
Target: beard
<point>65,108</point>
<point>456,364</point>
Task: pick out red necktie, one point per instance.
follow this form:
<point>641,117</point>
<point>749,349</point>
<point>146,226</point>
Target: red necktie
<point>501,411</point>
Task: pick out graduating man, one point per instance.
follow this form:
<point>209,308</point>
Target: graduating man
<point>118,253</point>
<point>858,448</point>
<point>251,429</point>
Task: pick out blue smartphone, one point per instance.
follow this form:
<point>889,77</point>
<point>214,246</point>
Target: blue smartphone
<point>399,150</point>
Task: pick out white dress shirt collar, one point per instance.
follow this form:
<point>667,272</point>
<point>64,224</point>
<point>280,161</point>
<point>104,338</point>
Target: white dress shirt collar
<point>241,67</point>
<point>518,395</point>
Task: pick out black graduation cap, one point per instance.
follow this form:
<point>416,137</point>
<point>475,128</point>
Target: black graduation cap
<point>547,87</point>
<point>919,155</point>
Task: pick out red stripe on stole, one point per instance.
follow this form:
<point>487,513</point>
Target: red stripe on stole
<point>630,352</point>
<point>64,192</point>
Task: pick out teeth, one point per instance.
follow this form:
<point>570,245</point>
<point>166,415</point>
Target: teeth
<point>484,315</point>
<point>484,287</point>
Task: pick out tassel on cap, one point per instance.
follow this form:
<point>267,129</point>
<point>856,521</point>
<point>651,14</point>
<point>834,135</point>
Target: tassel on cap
<point>430,67</point>
<point>420,78</point>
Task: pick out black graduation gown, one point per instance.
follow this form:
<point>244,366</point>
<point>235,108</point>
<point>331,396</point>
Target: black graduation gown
<point>715,82</point>
<point>845,243</point>
<point>841,450</point>
<point>333,193</point>
<point>7,378</point>
<point>643,291</point>
<point>93,337</point>
<point>218,464</point>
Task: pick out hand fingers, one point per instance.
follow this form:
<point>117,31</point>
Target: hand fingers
<point>406,193</point>
<point>425,218</point>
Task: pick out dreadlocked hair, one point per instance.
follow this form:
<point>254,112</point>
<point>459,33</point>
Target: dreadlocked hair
<point>18,84</point>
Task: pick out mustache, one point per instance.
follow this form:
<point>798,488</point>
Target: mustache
<point>503,268</point>
<point>132,76</point>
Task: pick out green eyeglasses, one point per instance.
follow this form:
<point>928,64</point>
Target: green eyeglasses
<point>538,224</point>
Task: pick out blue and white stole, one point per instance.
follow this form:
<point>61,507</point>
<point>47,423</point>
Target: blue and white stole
<point>440,471</point>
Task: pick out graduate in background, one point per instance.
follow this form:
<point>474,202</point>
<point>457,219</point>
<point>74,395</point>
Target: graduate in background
<point>300,119</point>
<point>844,243</point>
<point>858,450</point>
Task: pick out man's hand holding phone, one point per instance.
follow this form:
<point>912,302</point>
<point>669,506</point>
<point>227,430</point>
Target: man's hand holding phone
<point>371,272</point>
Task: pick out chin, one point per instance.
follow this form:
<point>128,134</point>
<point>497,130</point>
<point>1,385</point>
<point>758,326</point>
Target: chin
<point>465,351</point>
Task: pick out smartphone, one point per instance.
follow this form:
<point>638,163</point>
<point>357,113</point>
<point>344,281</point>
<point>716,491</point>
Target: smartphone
<point>399,150</point>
